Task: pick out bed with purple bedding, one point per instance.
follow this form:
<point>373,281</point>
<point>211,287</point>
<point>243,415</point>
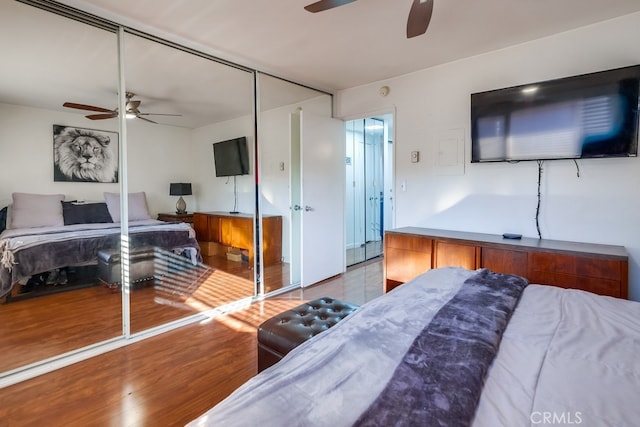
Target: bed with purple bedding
<point>455,347</point>
<point>28,251</point>
<point>42,233</point>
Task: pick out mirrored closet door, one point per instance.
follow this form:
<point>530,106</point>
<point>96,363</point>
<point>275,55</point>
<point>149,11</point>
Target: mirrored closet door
<point>63,79</point>
<point>146,123</point>
<point>50,60</point>
<point>179,104</point>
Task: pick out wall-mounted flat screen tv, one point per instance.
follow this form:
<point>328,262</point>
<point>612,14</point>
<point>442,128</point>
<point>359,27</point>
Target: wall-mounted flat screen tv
<point>586,116</point>
<point>231,157</point>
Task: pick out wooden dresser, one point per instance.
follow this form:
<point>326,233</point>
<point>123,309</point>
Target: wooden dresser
<point>601,269</point>
<point>236,230</point>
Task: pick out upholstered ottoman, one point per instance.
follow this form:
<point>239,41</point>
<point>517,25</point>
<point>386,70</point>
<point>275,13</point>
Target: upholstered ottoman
<point>280,334</point>
<point>141,266</point>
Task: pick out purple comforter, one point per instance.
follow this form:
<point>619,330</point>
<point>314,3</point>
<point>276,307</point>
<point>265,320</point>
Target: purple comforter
<point>440,378</point>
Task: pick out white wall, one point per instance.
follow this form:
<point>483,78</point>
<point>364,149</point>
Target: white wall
<point>432,113</point>
<point>158,155</point>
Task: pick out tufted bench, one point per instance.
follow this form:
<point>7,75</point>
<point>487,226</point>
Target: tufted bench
<point>280,334</point>
<point>141,267</point>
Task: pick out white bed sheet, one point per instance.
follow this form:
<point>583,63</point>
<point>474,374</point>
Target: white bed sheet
<point>567,357</point>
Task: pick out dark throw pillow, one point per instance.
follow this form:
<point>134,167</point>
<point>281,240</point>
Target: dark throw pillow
<point>3,218</point>
<point>85,213</point>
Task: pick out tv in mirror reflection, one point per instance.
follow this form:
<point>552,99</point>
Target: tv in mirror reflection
<point>231,157</point>
<point>586,116</point>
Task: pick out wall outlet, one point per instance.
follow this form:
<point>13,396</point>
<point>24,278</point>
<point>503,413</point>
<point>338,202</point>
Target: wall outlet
<point>415,156</point>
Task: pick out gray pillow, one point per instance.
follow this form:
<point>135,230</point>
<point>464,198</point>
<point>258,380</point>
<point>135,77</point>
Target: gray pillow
<point>137,206</point>
<point>36,210</point>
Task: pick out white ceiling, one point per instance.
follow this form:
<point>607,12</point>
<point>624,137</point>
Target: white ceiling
<point>48,60</point>
<point>355,44</point>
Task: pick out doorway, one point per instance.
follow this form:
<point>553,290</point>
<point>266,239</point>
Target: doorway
<point>369,186</point>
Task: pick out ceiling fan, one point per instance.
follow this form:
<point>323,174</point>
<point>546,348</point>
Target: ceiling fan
<point>417,23</point>
<point>131,108</point>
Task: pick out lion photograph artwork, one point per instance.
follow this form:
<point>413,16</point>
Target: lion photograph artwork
<point>84,155</point>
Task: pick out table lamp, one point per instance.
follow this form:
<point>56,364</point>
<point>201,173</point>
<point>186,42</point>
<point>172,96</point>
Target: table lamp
<point>180,189</point>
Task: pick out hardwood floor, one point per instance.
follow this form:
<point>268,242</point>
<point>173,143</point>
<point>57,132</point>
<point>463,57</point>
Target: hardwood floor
<point>37,328</point>
<point>172,378</point>
<point>367,251</point>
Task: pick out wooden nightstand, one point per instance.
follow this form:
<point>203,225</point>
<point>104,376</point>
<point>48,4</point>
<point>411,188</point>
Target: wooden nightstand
<point>176,217</point>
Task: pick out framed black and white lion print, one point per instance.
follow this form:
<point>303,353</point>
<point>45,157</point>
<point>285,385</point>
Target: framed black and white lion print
<point>84,155</point>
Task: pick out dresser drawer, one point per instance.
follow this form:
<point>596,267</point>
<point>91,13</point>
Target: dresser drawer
<point>402,265</point>
<point>451,254</point>
<point>541,262</point>
<point>411,243</point>
<point>505,261</point>
<point>597,275</point>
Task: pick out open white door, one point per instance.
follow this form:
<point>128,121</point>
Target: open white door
<point>322,151</point>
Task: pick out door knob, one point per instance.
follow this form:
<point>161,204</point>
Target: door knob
<point>308,208</point>
<point>297,207</point>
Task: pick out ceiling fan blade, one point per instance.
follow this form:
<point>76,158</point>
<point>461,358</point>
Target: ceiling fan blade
<point>86,107</point>
<point>102,116</point>
<point>158,114</point>
<point>322,5</point>
<point>146,120</point>
<point>419,17</point>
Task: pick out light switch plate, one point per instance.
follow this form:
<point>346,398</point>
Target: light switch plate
<point>415,156</point>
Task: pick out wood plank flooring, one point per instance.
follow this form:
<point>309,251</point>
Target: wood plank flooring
<point>367,251</point>
<point>172,378</point>
<point>38,328</point>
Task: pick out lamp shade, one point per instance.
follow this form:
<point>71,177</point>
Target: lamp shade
<point>180,189</point>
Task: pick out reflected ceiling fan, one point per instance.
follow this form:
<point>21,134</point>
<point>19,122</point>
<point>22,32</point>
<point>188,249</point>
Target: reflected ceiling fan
<point>131,107</point>
<point>417,23</point>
